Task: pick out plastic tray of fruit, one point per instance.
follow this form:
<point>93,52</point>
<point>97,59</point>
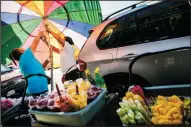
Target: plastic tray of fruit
<point>156,110</point>
<point>174,116</point>
<point>78,118</point>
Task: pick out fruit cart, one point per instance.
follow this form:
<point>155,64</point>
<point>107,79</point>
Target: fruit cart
<point>181,91</point>
<point>77,118</point>
<point>81,117</point>
<point>106,116</point>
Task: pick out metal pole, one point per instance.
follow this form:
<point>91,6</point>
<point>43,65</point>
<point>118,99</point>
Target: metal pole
<point>51,61</point>
<point>51,57</point>
<point>52,80</point>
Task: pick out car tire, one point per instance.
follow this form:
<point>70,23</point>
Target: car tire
<point>119,83</point>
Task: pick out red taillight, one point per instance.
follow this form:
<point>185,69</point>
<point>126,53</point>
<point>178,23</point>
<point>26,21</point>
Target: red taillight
<point>82,65</point>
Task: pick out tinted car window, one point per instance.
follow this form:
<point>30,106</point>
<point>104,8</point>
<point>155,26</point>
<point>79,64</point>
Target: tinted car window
<point>164,21</point>
<point>105,40</point>
<point>129,34</point>
<point>121,32</point>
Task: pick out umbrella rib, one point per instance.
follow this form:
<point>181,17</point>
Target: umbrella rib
<point>62,31</point>
<point>50,7</point>
<point>31,32</point>
<point>20,13</point>
<point>56,27</point>
<point>29,9</point>
<point>70,19</point>
<point>64,28</point>
<point>74,11</point>
<point>66,20</point>
<point>21,21</point>
<point>38,8</point>
<point>15,34</point>
<point>61,5</point>
<point>30,12</point>
<point>86,10</point>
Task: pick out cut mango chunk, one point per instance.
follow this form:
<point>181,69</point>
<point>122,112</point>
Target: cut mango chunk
<point>165,122</point>
<point>177,122</point>
<point>154,120</point>
<point>162,111</point>
<point>156,114</point>
<point>176,116</point>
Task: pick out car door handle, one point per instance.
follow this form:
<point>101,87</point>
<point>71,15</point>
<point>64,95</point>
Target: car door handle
<point>130,55</point>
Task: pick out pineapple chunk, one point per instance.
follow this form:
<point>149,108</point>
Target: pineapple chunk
<point>129,95</point>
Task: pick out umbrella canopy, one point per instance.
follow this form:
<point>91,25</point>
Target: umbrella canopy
<point>21,21</point>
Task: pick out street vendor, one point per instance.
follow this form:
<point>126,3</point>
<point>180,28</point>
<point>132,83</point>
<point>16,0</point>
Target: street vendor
<point>67,53</point>
<point>30,65</point>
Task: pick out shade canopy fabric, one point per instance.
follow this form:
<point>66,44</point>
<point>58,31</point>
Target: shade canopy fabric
<point>22,20</point>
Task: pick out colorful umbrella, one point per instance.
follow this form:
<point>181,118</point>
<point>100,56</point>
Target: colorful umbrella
<point>21,20</point>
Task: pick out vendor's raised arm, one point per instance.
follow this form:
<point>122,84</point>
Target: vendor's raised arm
<point>54,49</point>
<point>36,41</point>
<point>60,40</point>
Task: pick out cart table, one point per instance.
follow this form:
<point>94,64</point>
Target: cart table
<point>106,115</point>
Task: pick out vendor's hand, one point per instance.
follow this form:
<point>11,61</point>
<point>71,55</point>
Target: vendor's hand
<point>47,29</point>
<point>43,38</point>
<point>41,33</point>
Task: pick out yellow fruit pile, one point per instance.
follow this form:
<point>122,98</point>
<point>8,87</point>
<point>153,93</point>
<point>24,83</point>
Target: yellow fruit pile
<point>78,97</point>
<point>167,111</point>
<point>132,96</point>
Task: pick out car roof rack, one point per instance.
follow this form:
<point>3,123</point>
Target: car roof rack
<point>132,7</point>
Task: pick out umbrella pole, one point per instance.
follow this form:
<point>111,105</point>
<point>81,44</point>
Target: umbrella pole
<point>51,61</point>
<point>51,53</point>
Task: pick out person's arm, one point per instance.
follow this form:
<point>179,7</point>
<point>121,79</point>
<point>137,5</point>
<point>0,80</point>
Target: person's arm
<point>54,49</point>
<point>45,63</point>
<point>60,40</point>
<point>36,41</point>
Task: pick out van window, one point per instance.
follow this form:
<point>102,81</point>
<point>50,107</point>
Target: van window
<point>170,19</point>
<point>121,32</point>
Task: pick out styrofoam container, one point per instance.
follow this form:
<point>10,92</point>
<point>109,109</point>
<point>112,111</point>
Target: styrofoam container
<point>79,118</point>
